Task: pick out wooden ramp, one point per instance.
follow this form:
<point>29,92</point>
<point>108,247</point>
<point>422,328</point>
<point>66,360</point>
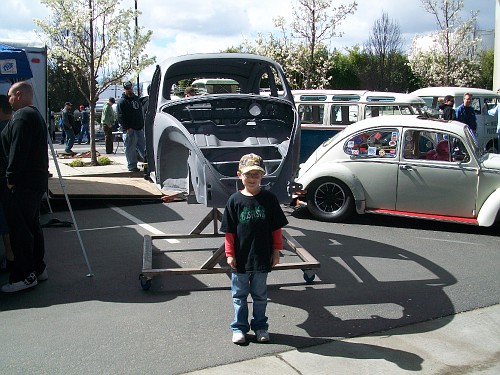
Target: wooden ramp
<point>108,186</point>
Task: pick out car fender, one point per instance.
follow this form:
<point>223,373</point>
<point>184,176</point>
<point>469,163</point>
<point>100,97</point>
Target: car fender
<point>489,209</point>
<point>340,172</point>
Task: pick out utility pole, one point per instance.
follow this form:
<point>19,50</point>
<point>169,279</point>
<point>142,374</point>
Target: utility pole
<point>136,35</point>
<point>496,65</point>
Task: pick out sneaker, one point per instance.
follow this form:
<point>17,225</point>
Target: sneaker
<point>262,335</point>
<point>239,338</point>
<point>134,170</point>
<point>29,282</point>
<point>43,276</point>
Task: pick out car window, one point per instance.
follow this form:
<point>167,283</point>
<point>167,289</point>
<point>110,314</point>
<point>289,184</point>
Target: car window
<point>311,113</point>
<point>490,103</point>
<point>343,114</point>
<point>380,143</point>
<point>476,104</point>
<point>386,110</point>
<point>437,146</point>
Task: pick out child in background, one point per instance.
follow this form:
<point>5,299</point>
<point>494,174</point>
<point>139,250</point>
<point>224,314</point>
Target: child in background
<point>252,222</point>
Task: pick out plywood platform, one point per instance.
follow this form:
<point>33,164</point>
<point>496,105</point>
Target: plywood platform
<point>108,186</point>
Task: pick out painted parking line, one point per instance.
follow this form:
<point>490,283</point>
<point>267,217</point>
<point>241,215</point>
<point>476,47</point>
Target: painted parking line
<point>450,241</point>
<point>142,224</point>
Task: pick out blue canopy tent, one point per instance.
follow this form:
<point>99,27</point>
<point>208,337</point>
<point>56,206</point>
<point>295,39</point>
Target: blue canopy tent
<point>14,64</point>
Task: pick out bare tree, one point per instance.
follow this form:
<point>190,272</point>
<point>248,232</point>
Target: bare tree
<point>384,45</point>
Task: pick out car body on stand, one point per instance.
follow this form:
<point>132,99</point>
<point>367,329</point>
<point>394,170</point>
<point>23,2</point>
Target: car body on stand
<point>194,143</point>
<point>409,166</point>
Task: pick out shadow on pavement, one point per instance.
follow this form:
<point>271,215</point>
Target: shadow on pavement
<point>345,349</point>
<point>366,287</point>
<point>362,286</point>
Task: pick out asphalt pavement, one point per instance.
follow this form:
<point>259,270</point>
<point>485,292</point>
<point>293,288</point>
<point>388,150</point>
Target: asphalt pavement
<point>464,343</point>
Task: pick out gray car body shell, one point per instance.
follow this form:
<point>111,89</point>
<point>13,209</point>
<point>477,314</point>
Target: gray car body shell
<point>194,144</point>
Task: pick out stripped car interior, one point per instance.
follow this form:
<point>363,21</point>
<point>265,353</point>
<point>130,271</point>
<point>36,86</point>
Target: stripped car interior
<point>194,143</point>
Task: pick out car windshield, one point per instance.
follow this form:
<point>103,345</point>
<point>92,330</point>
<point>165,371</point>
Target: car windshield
<point>473,141</point>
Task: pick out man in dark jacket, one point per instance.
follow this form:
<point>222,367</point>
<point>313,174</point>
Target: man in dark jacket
<point>131,119</point>
<point>68,121</point>
<point>447,108</point>
<point>24,142</point>
<point>465,112</point>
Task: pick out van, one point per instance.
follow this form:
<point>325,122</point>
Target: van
<point>36,53</point>
<point>215,86</point>
<point>482,101</point>
<point>323,113</point>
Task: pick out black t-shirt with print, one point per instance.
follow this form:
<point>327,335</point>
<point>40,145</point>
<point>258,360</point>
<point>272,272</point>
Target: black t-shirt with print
<point>253,219</point>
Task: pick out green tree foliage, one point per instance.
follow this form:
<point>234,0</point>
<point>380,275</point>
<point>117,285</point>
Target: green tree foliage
<point>486,79</point>
<point>452,58</point>
<point>343,72</point>
<point>95,41</point>
<point>62,87</point>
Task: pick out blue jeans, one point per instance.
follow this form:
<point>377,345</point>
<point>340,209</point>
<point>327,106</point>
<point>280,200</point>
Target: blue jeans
<point>84,131</point>
<point>242,284</point>
<point>133,143</point>
<point>70,140</point>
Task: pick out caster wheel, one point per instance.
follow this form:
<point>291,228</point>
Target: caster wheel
<point>309,278</point>
<point>145,282</point>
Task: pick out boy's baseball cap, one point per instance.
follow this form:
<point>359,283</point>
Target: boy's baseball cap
<point>251,162</point>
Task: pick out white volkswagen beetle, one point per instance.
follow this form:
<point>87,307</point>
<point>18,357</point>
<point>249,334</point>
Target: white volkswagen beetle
<point>403,165</point>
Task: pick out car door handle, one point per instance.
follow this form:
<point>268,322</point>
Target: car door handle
<point>406,167</point>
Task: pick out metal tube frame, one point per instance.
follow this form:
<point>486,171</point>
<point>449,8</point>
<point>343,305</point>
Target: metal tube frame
<point>307,264</point>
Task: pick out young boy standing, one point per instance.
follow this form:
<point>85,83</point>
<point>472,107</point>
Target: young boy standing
<point>252,222</point>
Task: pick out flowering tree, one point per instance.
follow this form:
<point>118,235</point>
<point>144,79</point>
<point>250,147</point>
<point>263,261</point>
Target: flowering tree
<point>316,21</point>
<point>301,51</point>
<point>452,58</point>
<point>95,42</point>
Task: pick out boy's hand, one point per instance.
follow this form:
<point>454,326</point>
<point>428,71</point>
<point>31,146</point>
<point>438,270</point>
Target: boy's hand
<point>275,259</point>
<point>232,262</point>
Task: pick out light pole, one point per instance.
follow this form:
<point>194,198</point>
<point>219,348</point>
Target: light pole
<point>136,36</point>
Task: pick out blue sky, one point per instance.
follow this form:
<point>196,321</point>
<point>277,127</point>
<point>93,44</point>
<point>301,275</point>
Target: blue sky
<point>192,26</point>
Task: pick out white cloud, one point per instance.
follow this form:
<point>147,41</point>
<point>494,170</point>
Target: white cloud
<point>192,26</point>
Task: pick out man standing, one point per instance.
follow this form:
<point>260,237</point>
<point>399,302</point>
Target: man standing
<point>84,130</point>
<point>466,114</point>
<point>24,142</point>
<point>496,112</point>
<point>68,122</point>
<point>447,108</point>
<point>130,117</point>
<point>5,116</point>
<point>108,121</point>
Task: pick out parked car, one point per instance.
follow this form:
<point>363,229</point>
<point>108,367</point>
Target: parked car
<point>408,166</point>
<point>194,144</point>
